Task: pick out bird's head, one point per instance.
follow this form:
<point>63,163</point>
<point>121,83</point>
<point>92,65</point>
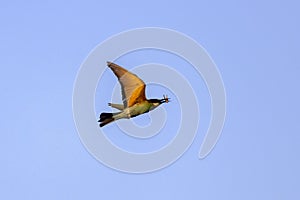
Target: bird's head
<point>157,102</point>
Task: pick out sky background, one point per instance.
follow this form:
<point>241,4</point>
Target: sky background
<point>255,45</point>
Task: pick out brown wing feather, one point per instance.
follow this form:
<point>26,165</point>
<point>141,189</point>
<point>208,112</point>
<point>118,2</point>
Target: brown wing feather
<point>133,88</point>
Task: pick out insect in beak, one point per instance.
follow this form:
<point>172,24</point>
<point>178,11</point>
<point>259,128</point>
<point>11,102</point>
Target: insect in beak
<point>166,99</point>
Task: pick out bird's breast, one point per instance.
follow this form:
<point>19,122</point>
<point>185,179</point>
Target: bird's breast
<point>139,108</point>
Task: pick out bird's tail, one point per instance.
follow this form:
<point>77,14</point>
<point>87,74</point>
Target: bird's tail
<point>106,118</point>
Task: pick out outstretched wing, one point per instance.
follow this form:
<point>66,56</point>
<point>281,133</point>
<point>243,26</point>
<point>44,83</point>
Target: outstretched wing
<point>133,88</point>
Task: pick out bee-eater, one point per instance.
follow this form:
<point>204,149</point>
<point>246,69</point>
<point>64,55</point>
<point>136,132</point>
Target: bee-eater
<point>133,95</point>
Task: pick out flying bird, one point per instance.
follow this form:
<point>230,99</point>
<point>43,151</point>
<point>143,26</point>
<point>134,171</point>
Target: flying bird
<point>133,96</point>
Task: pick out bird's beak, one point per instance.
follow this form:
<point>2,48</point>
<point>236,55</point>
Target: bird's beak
<point>165,99</point>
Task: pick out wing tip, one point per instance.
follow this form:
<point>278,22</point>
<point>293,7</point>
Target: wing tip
<point>109,63</point>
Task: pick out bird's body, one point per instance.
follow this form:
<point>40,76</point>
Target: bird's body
<point>133,95</point>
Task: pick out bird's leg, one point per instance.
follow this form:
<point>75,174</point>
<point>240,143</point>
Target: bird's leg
<point>127,113</point>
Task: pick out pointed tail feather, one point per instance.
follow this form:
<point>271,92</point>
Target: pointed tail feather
<point>106,118</point>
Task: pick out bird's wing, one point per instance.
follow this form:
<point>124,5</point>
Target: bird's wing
<point>133,88</point>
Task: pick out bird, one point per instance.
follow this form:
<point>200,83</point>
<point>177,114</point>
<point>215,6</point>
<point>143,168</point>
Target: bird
<point>133,96</point>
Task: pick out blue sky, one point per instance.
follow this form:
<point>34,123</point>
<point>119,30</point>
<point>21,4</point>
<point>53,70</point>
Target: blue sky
<point>255,45</point>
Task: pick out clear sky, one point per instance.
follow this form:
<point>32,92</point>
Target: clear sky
<point>255,45</point>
